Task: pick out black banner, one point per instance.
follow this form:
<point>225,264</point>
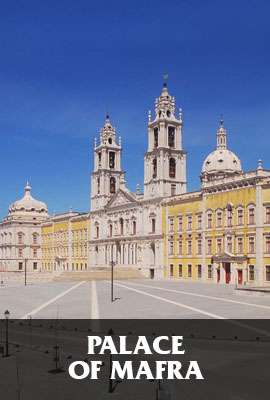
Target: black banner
<point>232,355</point>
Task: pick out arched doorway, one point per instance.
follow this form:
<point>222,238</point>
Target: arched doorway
<point>96,255</point>
<point>152,253</point>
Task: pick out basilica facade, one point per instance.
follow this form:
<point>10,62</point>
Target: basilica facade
<point>126,227</point>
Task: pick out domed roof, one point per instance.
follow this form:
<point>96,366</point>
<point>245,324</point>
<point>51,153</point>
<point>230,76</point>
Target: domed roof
<point>28,204</point>
<point>221,160</point>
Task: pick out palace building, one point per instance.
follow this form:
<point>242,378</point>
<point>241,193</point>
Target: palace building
<point>220,233</point>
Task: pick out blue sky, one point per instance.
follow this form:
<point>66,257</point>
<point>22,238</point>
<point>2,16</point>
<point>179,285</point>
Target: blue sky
<point>64,64</point>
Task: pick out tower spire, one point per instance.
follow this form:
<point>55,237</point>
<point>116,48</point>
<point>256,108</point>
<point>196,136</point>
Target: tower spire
<point>221,135</point>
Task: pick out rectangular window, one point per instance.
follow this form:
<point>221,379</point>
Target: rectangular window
<point>267,214</point>
<point>199,271</point>
<point>240,245</point>
<point>171,270</point>
<point>189,247</point>
<point>251,272</point>
<point>189,270</point>
<point>219,219</point>
<point>240,216</point>
<point>267,273</point>
<point>209,220</point>
<point>209,246</point>
<point>199,248</point>
<point>20,266</point>
<point>171,224</point>
<point>229,244</point>
<point>34,265</point>
<point>189,222</point>
<point>173,190</point>
<point>251,244</point>
<point>180,270</point>
<point>180,223</point>
<point>180,247</point>
<point>20,238</point>
<point>219,246</point>
<point>199,221</point>
<point>210,272</point>
<point>229,218</point>
<point>267,244</point>
<point>171,248</point>
<point>251,216</point>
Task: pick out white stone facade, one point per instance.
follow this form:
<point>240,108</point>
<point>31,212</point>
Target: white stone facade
<point>126,227</point>
<point>20,234</point>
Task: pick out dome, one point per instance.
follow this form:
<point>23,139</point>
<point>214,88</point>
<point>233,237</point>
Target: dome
<point>28,205</point>
<point>221,161</point>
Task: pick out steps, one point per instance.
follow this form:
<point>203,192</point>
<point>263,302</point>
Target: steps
<point>9,278</point>
<point>120,273</point>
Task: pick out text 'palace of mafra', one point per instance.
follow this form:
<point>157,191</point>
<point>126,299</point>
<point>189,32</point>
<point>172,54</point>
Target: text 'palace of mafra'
<point>219,234</point>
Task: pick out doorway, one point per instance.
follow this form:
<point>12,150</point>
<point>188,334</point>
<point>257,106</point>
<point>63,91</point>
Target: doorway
<point>227,267</point>
<point>153,253</point>
<point>218,275</point>
<point>240,276</point>
<point>152,273</point>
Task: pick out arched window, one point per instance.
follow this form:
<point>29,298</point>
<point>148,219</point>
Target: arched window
<point>153,223</point>
<point>97,231</point>
<point>251,215</point>
<point>156,137</point>
<point>172,168</point>
<point>98,185</point>
<point>112,185</point>
<point>229,215</point>
<point>111,159</point>
<point>154,167</point>
<point>171,136</point>
<point>134,227</point>
<point>35,238</point>
<point>121,226</point>
<point>110,230</point>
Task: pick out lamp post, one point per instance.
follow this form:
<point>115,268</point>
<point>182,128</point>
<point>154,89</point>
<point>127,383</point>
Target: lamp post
<point>7,314</point>
<point>117,245</point>
<point>25,271</point>
<point>112,295</point>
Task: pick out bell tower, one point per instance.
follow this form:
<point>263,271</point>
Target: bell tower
<point>108,175</point>
<point>165,160</point>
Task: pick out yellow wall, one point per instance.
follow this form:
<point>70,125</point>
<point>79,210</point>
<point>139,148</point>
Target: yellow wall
<point>195,204</point>
<point>64,242</point>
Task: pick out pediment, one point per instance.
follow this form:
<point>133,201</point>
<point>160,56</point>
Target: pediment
<point>121,198</point>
